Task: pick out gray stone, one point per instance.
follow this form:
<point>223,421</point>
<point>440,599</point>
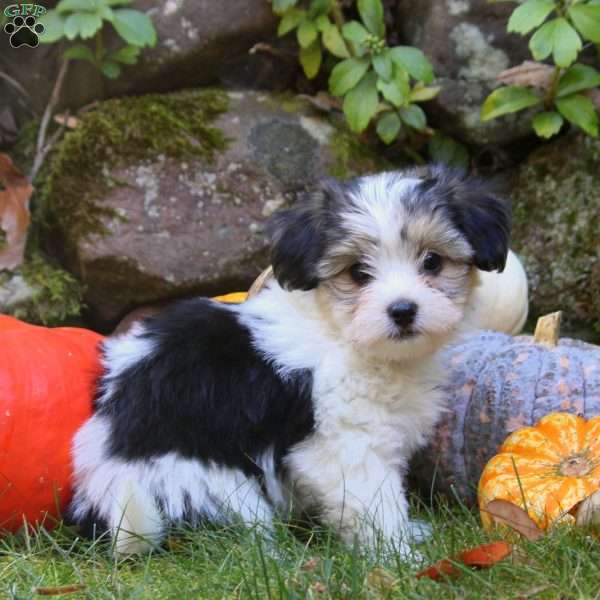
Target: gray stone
<point>171,223</point>
<point>467,43</point>
<point>556,206</point>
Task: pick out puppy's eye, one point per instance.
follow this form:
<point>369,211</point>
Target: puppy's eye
<point>432,263</point>
<point>358,272</point>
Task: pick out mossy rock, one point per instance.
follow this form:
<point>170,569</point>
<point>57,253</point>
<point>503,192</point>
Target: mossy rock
<point>556,206</point>
<point>161,196</point>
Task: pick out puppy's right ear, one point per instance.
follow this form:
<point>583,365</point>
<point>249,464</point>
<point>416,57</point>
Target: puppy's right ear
<point>299,238</point>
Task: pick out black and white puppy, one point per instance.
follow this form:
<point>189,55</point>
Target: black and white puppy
<point>314,393</point>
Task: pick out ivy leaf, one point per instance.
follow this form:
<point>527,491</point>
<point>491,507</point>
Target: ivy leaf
<point>371,13</point>
<point>397,90</point>
<point>290,20</point>
<point>110,69</point>
<point>310,59</point>
<point>281,6</point>
<point>382,63</point>
<point>443,149</point>
<point>360,103</point>
<point>414,61</point>
<point>54,27</point>
<point>586,18</point>
<point>79,52</point>
<point>76,5</point>
<point>346,74</point>
<point>557,37</point>
<point>134,27</point>
<point>83,25</point>
<point>413,116</point>
<point>547,124</point>
<point>333,41</point>
<point>355,32</point>
<point>128,55</point>
<point>576,79</point>
<point>422,93</point>
<point>529,15</point>
<point>509,99</point>
<point>388,127</point>
<point>307,33</point>
<point>580,111</point>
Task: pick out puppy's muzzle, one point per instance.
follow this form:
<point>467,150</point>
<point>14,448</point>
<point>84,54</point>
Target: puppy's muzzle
<point>403,313</point>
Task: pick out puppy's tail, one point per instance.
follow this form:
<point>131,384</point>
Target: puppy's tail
<point>500,302</point>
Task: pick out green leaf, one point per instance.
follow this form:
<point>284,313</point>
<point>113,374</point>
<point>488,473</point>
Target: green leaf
<point>54,27</point>
<point>79,52</point>
<point>322,23</point>
<point>586,18</point>
<point>318,7</point>
<point>134,27</point>
<point>414,61</point>
<point>76,6</point>
<point>334,42</point>
<point>281,6</point>
<point>128,55</point>
<point>110,69</point>
<point>388,127</point>
<point>307,33</point>
<point>547,124</point>
<point>529,15</point>
<point>371,13</point>
<point>360,103</point>
<point>354,32</point>
<point>290,20</point>
<point>310,59</point>
<point>421,93</point>
<point>580,111</point>
<point>413,116</point>
<point>83,25</point>
<point>445,150</point>
<point>383,65</point>
<point>397,90</point>
<point>117,2</point>
<point>577,78</point>
<point>558,38</point>
<point>509,99</point>
<point>346,74</point>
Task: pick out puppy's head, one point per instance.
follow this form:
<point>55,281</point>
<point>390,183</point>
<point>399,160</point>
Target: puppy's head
<point>392,256</point>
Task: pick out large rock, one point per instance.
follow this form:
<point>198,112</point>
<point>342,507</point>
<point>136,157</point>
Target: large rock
<point>161,196</point>
<point>556,205</point>
<point>466,41</point>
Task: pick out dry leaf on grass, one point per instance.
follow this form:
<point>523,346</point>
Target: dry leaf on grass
<point>481,557</point>
<point>588,511</point>
<point>528,73</point>
<point>311,564</point>
<point>60,589</point>
<point>381,579</point>
<point>14,213</point>
<point>515,517</point>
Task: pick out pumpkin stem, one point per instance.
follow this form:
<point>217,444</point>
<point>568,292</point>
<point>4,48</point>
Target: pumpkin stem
<point>547,330</point>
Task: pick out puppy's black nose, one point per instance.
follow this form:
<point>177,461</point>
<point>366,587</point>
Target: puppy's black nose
<point>402,312</point>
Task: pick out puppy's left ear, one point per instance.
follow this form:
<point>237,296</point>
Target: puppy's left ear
<point>483,217</point>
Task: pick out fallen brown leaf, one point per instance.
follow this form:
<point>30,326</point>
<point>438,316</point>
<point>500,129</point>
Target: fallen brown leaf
<point>311,564</point>
<point>381,579</point>
<point>588,511</point>
<point>528,73</point>
<point>322,101</point>
<point>60,589</point>
<point>14,213</point>
<point>515,517</point>
<point>484,556</point>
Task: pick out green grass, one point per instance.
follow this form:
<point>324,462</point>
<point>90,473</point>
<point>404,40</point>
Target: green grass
<point>240,563</point>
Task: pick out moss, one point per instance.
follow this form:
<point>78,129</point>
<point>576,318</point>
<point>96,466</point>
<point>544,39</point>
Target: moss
<point>352,156</point>
<point>117,133</point>
<point>57,295</point>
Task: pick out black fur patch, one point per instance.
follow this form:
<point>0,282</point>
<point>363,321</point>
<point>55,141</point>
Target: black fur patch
<point>475,208</point>
<point>206,393</point>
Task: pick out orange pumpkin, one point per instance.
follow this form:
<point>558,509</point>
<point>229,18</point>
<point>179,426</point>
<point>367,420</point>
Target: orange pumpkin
<point>546,469</point>
<point>45,395</point>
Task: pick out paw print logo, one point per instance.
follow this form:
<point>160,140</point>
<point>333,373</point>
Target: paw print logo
<point>24,31</point>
